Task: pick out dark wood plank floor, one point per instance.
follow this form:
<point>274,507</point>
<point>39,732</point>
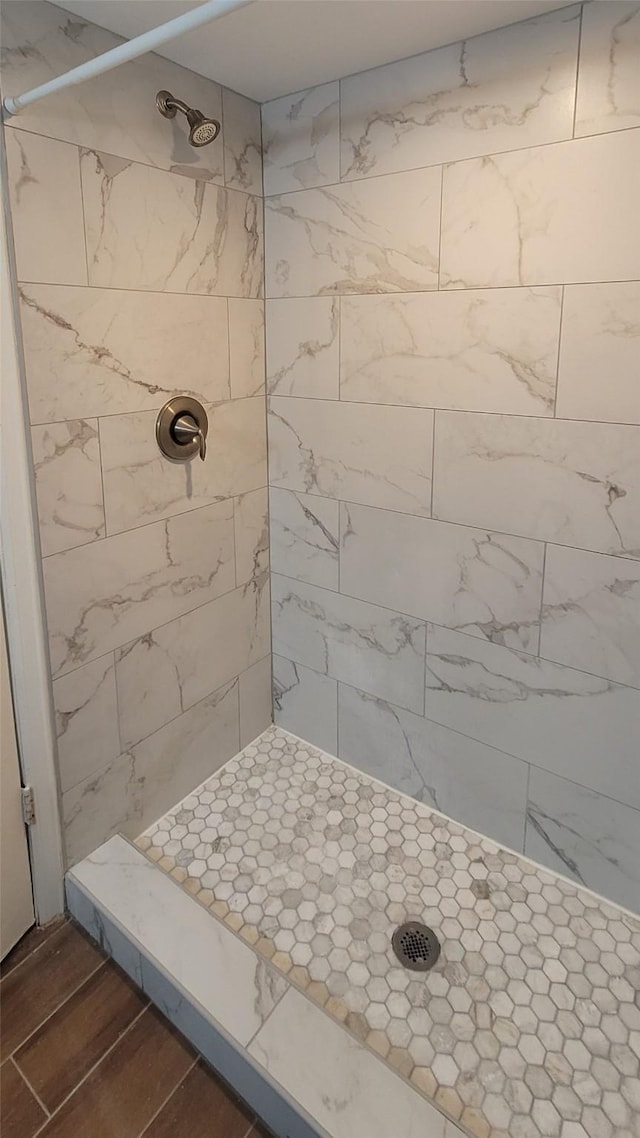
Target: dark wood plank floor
<point>84,1055</point>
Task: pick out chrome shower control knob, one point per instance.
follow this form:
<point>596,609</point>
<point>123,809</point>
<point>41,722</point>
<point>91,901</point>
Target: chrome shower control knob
<point>181,429</point>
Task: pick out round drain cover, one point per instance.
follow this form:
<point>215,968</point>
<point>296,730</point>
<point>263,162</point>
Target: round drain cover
<point>416,946</point>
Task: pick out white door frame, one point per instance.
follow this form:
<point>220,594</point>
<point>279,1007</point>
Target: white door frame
<point>23,595</point>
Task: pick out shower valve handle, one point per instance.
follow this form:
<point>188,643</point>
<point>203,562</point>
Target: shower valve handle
<point>185,429</point>
<point>181,429</point>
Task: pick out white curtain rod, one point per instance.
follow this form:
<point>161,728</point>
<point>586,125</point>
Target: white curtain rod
<point>125,51</point>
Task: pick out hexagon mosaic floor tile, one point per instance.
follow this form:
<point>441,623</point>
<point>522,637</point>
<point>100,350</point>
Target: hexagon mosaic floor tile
<point>528,1025</point>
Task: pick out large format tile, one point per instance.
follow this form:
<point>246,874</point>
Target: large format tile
<point>306,703</point>
<point>585,836</point>
<point>115,111</point>
<point>301,139</point>
<point>68,477</point>
<point>303,354</point>
<point>591,613</point>
<point>92,351</point>
<point>142,485</point>
<point>536,216</point>
<point>486,584</point>
<point>202,1102</point>
<point>46,209</point>
<point>379,456</point>
<point>102,595</point>
<point>379,235</point>
<point>305,537</point>
<point>246,347</point>
<point>345,1087</point>
<point>471,782</point>
<point>21,1115</point>
<point>86,711</point>
<point>379,651</point>
<point>555,717</point>
<point>242,143</point>
<point>509,88</point>
<point>599,366</point>
<point>149,229</point>
<point>167,671</point>
<point>211,966</point>
<point>608,95</point>
<point>479,350</point>
<point>567,482</point>
<point>147,779</point>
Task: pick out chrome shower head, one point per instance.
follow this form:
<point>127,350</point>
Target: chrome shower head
<point>202,130</point>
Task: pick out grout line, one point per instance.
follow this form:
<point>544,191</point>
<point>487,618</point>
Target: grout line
<point>73,993</point>
<point>576,84</point>
<point>59,923</point>
<point>558,357</point>
<point>29,1087</point>
<point>98,1061</point>
<point>439,286</point>
<point>433,461</point>
<point>214,404</point>
<point>175,1090</point>
<point>540,611</point>
<point>526,808</point>
<point>84,216</point>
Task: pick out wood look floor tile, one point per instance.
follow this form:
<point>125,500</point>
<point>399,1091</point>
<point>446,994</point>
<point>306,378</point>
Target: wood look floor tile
<point>67,1046</point>
<point>30,942</point>
<point>32,991</point>
<point>120,1097</point>
<point>20,1113</point>
<point>201,1107</point>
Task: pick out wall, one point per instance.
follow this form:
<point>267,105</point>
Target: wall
<point>140,273</point>
<point>453,367</point>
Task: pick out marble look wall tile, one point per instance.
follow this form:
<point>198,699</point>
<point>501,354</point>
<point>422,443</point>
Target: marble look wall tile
<point>242,143</point>
<point>379,651</point>
<point>478,350</point>
<point>555,717</point>
<point>378,235</point>
<point>485,584</point>
<point>303,355</point>
<point>255,700</point>
<point>115,111</point>
<point>608,95</point>
<point>251,524</point>
<point>379,456</point>
<point>66,463</point>
<point>345,1087</point>
<point>536,216</point>
<point>86,713</point>
<point>301,139</point>
<point>475,784</point>
<point>305,537</point>
<point>46,209</point>
<point>149,229</point>
<point>591,613</point>
<point>102,595</point>
<point>509,88</point>
<point>306,703</point>
<point>246,347</point>
<point>567,482</point>
<point>142,485</point>
<point>143,782</point>
<point>585,836</point>
<point>167,671</point>
<point>93,351</point>
<point>599,367</point>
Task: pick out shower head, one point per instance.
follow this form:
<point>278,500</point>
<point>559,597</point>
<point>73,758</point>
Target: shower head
<point>202,130</point>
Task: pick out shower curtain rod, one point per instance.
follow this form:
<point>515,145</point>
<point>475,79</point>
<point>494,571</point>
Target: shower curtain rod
<point>131,49</point>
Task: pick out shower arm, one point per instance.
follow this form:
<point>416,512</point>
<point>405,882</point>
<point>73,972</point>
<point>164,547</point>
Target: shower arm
<point>131,49</point>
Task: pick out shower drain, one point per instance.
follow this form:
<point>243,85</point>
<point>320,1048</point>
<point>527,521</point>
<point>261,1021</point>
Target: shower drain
<point>416,946</point>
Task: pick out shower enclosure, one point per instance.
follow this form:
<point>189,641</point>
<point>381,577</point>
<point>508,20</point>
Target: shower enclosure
<point>439,563</point>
